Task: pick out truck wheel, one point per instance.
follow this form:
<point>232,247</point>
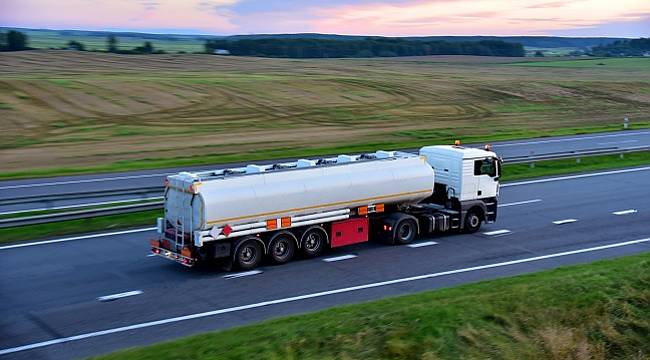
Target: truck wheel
<point>249,255</point>
<point>282,248</point>
<point>405,232</point>
<point>314,241</point>
<point>472,221</point>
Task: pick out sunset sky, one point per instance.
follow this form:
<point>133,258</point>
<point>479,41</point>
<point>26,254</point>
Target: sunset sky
<point>624,18</point>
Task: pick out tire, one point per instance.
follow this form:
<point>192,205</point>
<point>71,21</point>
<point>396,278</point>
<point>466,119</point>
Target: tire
<point>472,221</point>
<point>249,255</point>
<point>405,232</point>
<point>313,242</point>
<point>282,248</point>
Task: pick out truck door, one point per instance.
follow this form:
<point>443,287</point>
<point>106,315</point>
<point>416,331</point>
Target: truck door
<point>487,176</point>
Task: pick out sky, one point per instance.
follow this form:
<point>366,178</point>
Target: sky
<point>620,18</point>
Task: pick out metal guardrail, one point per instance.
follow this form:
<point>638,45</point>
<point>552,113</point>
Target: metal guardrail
<point>125,209</point>
<point>79,195</point>
<point>76,215</point>
<point>573,154</point>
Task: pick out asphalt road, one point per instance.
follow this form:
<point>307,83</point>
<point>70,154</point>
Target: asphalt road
<point>148,178</point>
<point>49,293</point>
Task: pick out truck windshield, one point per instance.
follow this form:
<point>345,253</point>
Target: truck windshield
<point>486,166</point>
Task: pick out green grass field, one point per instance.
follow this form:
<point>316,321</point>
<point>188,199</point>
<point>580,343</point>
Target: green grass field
<point>594,311</point>
<point>69,112</point>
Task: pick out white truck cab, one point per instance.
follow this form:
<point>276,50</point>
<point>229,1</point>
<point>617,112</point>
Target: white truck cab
<point>466,179</point>
<point>467,173</point>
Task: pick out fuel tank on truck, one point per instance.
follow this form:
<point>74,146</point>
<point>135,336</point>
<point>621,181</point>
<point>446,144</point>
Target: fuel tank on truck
<point>257,193</point>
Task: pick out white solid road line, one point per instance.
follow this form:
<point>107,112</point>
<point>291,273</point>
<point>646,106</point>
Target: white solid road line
<point>310,296</point>
<point>6,247</point>
<point>519,203</point>
<point>119,296</point>
<point>625,212</point>
<point>569,139</point>
<point>421,244</point>
<point>565,221</point>
<point>497,232</point>
<point>242,274</point>
<point>339,258</point>
<point>82,181</point>
<point>559,178</point>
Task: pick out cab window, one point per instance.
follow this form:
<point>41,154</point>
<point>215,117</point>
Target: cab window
<point>486,166</point>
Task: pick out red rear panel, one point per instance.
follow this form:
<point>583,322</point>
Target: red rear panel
<point>349,231</point>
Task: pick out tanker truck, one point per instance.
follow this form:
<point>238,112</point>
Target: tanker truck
<point>243,216</point>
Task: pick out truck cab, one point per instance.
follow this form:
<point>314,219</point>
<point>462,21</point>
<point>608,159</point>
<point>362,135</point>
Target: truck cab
<point>466,180</point>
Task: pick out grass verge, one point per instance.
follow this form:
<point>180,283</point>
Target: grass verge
<point>147,218</point>
<point>410,139</point>
<point>594,311</point>
<point>568,166</point>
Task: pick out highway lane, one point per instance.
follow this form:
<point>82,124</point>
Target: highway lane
<point>50,291</point>
<point>148,178</point>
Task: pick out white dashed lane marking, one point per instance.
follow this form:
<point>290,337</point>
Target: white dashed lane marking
<point>119,296</point>
<point>497,232</point>
<point>422,244</point>
<point>339,258</point>
<point>565,221</point>
<point>242,274</point>
<point>625,212</point>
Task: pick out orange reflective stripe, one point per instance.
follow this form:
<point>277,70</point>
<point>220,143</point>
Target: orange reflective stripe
<point>271,224</point>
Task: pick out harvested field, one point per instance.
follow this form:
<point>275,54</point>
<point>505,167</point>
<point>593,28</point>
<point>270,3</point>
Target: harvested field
<point>75,109</point>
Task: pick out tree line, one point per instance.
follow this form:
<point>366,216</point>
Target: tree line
<point>368,47</point>
<point>631,47</point>
<point>13,41</point>
<point>17,41</point>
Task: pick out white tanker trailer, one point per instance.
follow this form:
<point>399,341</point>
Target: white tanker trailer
<point>243,215</point>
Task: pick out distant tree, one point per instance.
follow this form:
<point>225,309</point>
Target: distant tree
<point>111,43</point>
<point>538,53</point>
<point>75,45</point>
<point>3,41</point>
<point>146,48</point>
<point>15,41</point>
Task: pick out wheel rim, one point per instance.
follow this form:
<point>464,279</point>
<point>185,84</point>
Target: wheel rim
<point>405,231</point>
<point>313,241</point>
<point>474,221</point>
<point>248,254</point>
<point>281,248</point>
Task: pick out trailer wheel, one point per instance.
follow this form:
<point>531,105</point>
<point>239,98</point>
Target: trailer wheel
<point>282,248</point>
<point>314,241</point>
<point>472,221</point>
<point>405,232</point>
<point>249,254</point>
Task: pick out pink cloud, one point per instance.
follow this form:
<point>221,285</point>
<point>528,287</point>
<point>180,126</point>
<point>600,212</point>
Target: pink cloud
<point>458,17</point>
<point>202,15</point>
